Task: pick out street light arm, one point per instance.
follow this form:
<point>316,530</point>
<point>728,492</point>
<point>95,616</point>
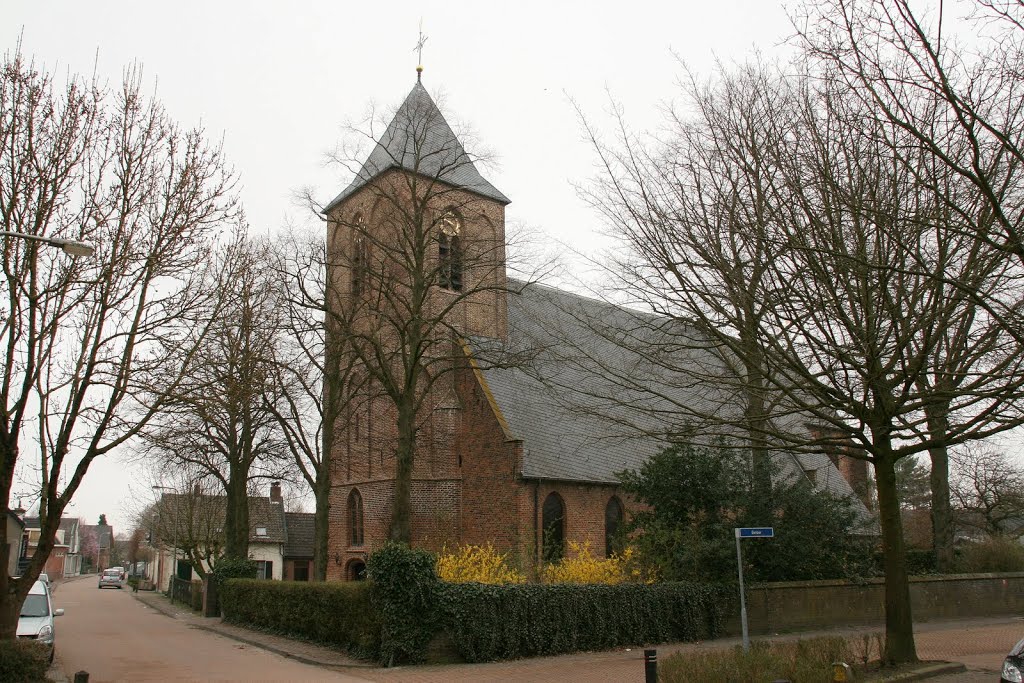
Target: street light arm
<point>73,247</point>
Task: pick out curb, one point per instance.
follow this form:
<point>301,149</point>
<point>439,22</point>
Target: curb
<point>925,672</point>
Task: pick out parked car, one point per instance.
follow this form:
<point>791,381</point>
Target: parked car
<point>123,572</point>
<point>1013,665</point>
<point>111,577</point>
<point>36,619</point>
<point>45,578</point>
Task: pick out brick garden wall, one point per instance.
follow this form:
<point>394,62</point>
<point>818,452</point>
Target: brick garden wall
<point>803,605</point>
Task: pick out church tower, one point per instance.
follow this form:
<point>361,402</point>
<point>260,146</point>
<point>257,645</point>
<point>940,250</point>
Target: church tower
<point>416,264</point>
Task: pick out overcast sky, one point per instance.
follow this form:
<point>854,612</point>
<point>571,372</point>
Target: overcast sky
<point>279,81</point>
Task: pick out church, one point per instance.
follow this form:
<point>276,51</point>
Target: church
<point>519,434</point>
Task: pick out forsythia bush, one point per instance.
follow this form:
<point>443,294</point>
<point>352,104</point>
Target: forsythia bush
<point>583,567</point>
<point>475,563</point>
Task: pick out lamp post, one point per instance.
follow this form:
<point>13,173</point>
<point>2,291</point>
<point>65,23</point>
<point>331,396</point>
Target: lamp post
<point>174,562</point>
<point>73,247</point>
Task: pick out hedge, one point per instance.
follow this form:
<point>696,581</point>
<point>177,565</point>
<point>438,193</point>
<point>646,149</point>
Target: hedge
<point>488,622</point>
<point>327,612</point>
<point>23,661</point>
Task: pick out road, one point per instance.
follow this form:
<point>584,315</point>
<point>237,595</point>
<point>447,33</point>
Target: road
<point>116,638</point>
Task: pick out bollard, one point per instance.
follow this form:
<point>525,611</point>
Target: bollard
<point>81,677</point>
<point>651,666</point>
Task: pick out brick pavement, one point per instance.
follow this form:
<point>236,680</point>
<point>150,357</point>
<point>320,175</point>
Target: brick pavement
<point>980,644</point>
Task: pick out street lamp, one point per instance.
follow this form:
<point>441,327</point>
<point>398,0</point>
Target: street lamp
<point>174,565</point>
<point>73,247</point>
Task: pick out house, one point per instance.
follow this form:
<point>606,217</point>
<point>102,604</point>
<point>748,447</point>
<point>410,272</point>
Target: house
<point>15,542</point>
<point>525,457</point>
<point>298,546</point>
<point>65,558</point>
<point>184,522</point>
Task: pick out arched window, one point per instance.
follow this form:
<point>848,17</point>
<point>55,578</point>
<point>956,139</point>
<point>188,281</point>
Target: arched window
<point>449,253</point>
<point>355,518</point>
<point>612,524</point>
<point>360,256</point>
<point>554,528</point>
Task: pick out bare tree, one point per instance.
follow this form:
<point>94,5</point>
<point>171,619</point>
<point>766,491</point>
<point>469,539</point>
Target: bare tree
<point>215,423</point>
<point>416,258</point>
<point>789,192</point>
<point>312,384</point>
<point>84,340</point>
<point>988,489</point>
<point>959,106</point>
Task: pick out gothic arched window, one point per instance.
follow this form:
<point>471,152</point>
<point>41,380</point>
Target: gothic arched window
<point>449,252</point>
<point>355,518</point>
<point>553,526</point>
<point>612,523</point>
<point>360,256</point>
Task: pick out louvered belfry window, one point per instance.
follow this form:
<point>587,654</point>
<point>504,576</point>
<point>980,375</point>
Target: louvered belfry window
<point>449,253</point>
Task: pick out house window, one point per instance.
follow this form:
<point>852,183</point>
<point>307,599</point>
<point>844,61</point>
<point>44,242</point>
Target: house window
<point>184,570</point>
<point>449,253</point>
<point>554,528</point>
<point>355,518</point>
<point>612,524</point>
<point>264,569</point>
<point>261,531</point>
<point>300,572</point>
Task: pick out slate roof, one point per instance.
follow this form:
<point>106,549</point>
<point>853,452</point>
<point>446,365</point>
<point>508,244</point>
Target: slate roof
<point>418,139</point>
<point>299,530</point>
<point>262,513</point>
<point>578,424</point>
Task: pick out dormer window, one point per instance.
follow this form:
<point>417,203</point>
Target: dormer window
<point>261,531</point>
<point>449,253</point>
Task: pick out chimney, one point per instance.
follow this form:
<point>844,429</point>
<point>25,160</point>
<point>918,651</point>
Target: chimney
<point>275,492</point>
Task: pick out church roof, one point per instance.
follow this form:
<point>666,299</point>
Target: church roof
<point>577,416</point>
<point>419,140</point>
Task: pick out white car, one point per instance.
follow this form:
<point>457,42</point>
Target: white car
<point>36,620</point>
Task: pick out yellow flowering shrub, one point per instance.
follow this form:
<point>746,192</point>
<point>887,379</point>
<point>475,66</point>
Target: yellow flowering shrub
<point>583,567</point>
<point>476,563</point>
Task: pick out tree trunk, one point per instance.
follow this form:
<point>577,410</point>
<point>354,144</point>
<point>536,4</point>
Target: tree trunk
<point>899,625</point>
<point>236,518</point>
<point>761,471</point>
<point>401,520</point>
<point>321,518</point>
<point>942,515</point>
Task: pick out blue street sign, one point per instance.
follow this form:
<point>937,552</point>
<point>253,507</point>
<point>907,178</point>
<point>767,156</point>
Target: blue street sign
<point>755,532</point>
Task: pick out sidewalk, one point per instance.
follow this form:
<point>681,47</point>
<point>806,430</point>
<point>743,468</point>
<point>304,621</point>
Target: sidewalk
<point>979,644</point>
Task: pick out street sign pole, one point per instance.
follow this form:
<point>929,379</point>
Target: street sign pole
<point>743,597</point>
<point>747,532</point>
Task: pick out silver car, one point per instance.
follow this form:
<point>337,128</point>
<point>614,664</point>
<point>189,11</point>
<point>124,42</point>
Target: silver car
<point>36,619</point>
<point>111,577</point>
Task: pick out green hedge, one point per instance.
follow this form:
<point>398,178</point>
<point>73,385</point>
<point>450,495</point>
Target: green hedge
<point>488,622</point>
<point>327,612</point>
<point>23,661</point>
<point>404,596</point>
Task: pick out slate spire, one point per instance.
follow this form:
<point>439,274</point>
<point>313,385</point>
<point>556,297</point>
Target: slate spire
<point>420,141</point>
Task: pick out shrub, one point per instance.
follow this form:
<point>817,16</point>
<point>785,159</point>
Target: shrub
<point>488,622</point>
<point>805,661</point>
<point>233,568</point>
<point>992,555</point>
<point>327,612</point>
<point>23,661</point>
<point>583,567</point>
<point>475,563</point>
<point>404,587</point>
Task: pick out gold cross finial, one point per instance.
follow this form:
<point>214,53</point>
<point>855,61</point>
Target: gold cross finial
<point>419,50</point>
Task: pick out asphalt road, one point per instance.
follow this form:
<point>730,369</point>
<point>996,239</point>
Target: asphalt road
<point>116,638</point>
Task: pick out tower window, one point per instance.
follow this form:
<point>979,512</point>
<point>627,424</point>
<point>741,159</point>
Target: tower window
<point>449,252</point>
<point>360,257</point>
